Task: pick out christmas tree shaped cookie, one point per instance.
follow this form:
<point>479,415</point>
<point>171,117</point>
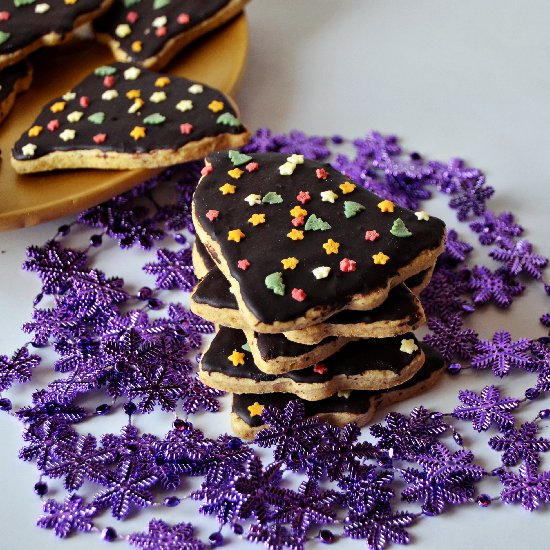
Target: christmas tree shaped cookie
<point>13,80</point>
<point>123,116</point>
<point>299,242</point>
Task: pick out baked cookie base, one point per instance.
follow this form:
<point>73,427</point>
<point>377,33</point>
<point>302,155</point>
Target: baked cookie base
<point>21,84</point>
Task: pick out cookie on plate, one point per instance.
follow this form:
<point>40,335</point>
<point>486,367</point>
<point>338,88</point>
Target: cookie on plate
<point>27,25</point>
<point>151,32</point>
<point>368,364</point>
<point>339,409</point>
<point>299,242</point>
<point>202,262</point>
<point>13,80</point>
<point>122,117</point>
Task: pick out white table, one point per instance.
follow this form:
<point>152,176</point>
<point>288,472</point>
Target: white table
<point>468,79</point>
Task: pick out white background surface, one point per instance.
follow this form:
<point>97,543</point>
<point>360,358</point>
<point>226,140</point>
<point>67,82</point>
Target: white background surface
<point>468,79</point>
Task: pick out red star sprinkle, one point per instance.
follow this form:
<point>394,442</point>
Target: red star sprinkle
<point>132,16</point>
<point>320,368</point>
<point>99,138</point>
<point>84,101</point>
<point>321,173</point>
<point>207,169</point>
<point>161,31</point>
<point>252,167</point>
<point>183,18</point>
<point>347,265</point>
<point>4,15</point>
<point>243,264</point>
<point>53,125</point>
<point>303,197</point>
<point>186,128</point>
<point>298,294</point>
<point>212,215</point>
<point>109,81</point>
<point>297,222</point>
<point>372,235</point>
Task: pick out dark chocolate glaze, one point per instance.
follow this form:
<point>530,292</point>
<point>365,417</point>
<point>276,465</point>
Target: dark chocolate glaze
<point>143,30</point>
<point>10,76</point>
<point>358,402</point>
<point>272,346</point>
<point>213,290</point>
<point>26,26</point>
<point>368,354</point>
<point>265,245</point>
<point>204,256</point>
<point>119,123</point>
<point>415,280</point>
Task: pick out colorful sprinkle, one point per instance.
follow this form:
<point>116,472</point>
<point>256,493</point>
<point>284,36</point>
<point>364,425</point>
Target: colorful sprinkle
<point>228,189</point>
<point>295,235</point>
<point>138,132</point>
<point>298,294</point>
<point>132,94</point>
<point>184,105</point>
<point>351,209</point>
<point>137,46</point>
<point>53,125</point>
<point>216,106</point>
<point>228,119</point>
<point>380,258</point>
<point>136,105</point>
<point>4,37</point>
<point>99,138</point>
<point>296,159</point>
<point>109,81</point>
<point>183,18</point>
<point>274,282</point>
<point>347,187</point>
<point>298,211</point>
<point>290,263</point>
<point>29,149</point>
<point>246,347</point>
<point>207,169</point>
<point>235,235</point>
<point>84,101</point>
<point>314,223</point>
<point>186,128</point>
<point>237,158</point>
<point>67,135</point>
<point>256,219</point>
<point>57,107</point>
<point>256,409</point>
<point>399,229</point>
<point>331,247</point>
<point>386,206</point>
<point>321,174</point>
<point>109,95</point>
<point>347,265</point>
<point>237,358</point>
<point>287,169</point>
<point>236,173</point>
<point>195,89</point>
<point>371,235</point>
<point>303,197</point>
<point>272,198</point>
<point>131,73</point>
<point>162,81</point>
<point>158,97</point>
<point>422,216</point>
<point>328,196</point>
<point>320,368</point>
<point>298,222</point>
<point>253,199</point>
<point>252,167</point>
<point>243,264</point>
<point>408,346</point>
<point>35,131</point>
<point>212,215</point>
<point>321,272</point>
<point>123,30</point>
<point>104,70</point>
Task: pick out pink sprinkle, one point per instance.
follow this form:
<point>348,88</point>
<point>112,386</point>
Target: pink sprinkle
<point>100,138</point>
<point>321,173</point>
<point>298,294</point>
<point>186,128</point>
<point>207,169</point>
<point>252,167</point>
<point>132,16</point>
<point>53,125</point>
<point>320,368</point>
<point>303,197</point>
<point>347,265</point>
<point>84,101</point>
<point>109,81</point>
<point>212,215</point>
<point>183,18</point>
<point>297,222</point>
<point>372,235</point>
<point>161,31</point>
<point>243,264</point>
<point>4,15</point>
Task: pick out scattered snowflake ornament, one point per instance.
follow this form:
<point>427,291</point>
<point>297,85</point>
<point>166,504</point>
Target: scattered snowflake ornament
<point>73,515</point>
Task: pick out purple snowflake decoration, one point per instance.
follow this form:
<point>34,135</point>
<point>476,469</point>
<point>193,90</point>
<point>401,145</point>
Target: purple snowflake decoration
<point>486,408</point>
<point>18,368</point>
<point>520,444</point>
<point>493,228</point>
<point>367,490</point>
<point>519,258</point>
<point>470,198</point>
<point>263,141</point>
<point>162,536</point>
<point>312,147</point>
<point>450,339</point>
<point>197,395</point>
<point>275,536</point>
<point>455,249</point>
<point>498,287</point>
<point>173,269</point>
<point>450,177</point>
<point>71,516</point>
<point>528,486</point>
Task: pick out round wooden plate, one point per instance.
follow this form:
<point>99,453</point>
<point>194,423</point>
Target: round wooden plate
<point>217,60</point>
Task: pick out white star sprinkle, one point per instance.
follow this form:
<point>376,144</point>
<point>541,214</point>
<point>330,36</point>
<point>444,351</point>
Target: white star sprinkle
<point>69,96</point>
<point>195,89</point>
<point>296,159</point>
<point>41,8</point>
<point>253,199</point>
<point>287,168</point>
<point>75,116</point>
<point>422,216</point>
<point>108,95</point>
<point>29,149</point>
<point>123,30</point>
<point>67,135</point>
<point>328,196</point>
<point>321,272</point>
<point>158,97</point>
<point>408,346</point>
<point>184,105</point>
<point>132,73</point>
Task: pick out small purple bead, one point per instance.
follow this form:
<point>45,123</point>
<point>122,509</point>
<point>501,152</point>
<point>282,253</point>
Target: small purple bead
<point>436,416</point>
<point>326,536</point>
<point>484,500</point>
<point>545,413</point>
<point>96,240</point>
<point>337,139</point>
<point>547,289</point>
<point>458,438</point>
<point>235,444</point>
<point>416,156</point>
<point>215,539</point>
<point>41,488</point>
<point>144,293</point>
<point>454,368</point>
<point>182,425</point>
<point>103,409</point>
<point>532,393</point>
<point>237,528</point>
<point>109,534</point>
<point>498,471</point>
<point>385,462</point>
<point>171,502</point>
<point>155,303</point>
<point>5,404</point>
<point>64,230</point>
<point>180,239</point>
<point>295,457</point>
<point>544,340</point>
<point>130,408</point>
<point>37,299</point>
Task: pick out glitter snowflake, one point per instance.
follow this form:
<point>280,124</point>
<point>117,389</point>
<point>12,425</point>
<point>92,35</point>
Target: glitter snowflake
<point>470,198</point>
<point>450,339</point>
<point>131,446</point>
<point>406,437</point>
<point>368,490</point>
<point>519,258</point>
<point>96,291</point>
<point>45,409</point>
<point>528,486</point>
<point>451,176</point>
<point>498,287</point>
<point>71,516</point>
<point>486,408</point>
<point>263,141</point>
<point>374,145</point>
<point>162,536</point>
<point>59,323</point>
<point>493,228</point>
<point>173,269</point>
<point>456,250</point>
<point>18,368</point>
<point>188,325</point>
<point>275,536</point>
<point>442,465</point>
<point>312,147</point>
<point>520,444</point>
<point>55,265</point>
<point>197,395</point>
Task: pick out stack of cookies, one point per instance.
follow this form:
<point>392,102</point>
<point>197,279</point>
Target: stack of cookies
<point>312,282</point>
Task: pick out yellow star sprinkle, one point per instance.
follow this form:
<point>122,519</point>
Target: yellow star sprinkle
<point>408,346</point>
<point>70,2</point>
<point>386,206</point>
<point>137,46</point>
<point>298,211</point>
<point>237,358</point>
<point>132,94</point>
<point>236,173</point>
<point>57,107</point>
<point>138,132</point>
<point>255,409</point>
<point>35,131</point>
<point>256,219</point>
<point>295,235</point>
<point>290,263</point>
<point>380,258</point>
<point>235,235</point>
<point>228,189</point>
<point>346,187</point>
<point>331,247</point>
<point>162,81</point>
<point>215,106</point>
